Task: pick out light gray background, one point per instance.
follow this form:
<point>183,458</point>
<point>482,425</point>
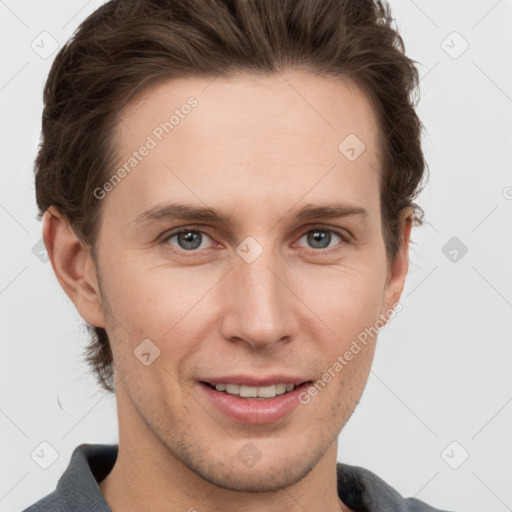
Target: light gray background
<point>442,370</point>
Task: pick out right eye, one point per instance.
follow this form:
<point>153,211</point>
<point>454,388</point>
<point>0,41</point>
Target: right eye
<point>187,239</point>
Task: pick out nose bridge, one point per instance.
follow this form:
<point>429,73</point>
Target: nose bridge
<point>260,283</point>
<point>259,309</point>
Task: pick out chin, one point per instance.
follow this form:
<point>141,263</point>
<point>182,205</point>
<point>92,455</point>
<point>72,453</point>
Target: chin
<point>263,477</point>
<point>252,469</point>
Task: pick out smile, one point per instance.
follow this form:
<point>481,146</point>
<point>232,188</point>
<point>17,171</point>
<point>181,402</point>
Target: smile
<point>244,391</point>
<point>254,405</point>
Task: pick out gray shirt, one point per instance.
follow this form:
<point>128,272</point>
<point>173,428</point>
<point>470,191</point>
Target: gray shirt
<point>78,490</point>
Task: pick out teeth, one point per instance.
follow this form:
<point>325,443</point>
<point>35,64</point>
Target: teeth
<point>266,391</point>
<point>283,388</point>
<point>232,389</point>
<point>255,392</point>
<point>249,392</point>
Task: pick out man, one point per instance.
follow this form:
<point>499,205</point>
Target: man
<point>227,190</point>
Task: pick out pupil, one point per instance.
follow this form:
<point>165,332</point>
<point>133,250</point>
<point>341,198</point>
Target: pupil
<point>324,237</point>
<point>189,240</point>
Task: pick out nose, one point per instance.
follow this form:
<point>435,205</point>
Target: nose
<point>258,303</point>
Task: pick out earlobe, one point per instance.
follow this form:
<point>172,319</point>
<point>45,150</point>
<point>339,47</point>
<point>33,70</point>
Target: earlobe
<point>73,266</point>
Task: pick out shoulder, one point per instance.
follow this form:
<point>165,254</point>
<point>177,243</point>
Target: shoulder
<point>54,502</point>
<point>77,488</point>
<point>362,489</point>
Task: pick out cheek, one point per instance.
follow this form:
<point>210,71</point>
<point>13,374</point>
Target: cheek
<point>159,304</point>
<point>154,297</point>
<point>347,299</point>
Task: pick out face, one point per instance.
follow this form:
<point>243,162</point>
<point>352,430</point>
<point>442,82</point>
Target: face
<point>263,288</point>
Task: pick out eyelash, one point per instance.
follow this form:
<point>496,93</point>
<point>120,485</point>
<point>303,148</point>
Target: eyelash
<point>193,253</point>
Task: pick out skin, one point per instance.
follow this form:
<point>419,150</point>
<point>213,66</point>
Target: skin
<point>259,148</point>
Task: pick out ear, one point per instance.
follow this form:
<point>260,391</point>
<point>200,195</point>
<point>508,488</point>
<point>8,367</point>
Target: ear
<point>73,266</point>
<point>398,268</point>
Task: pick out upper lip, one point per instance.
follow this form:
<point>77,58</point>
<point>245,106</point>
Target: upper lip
<point>248,380</point>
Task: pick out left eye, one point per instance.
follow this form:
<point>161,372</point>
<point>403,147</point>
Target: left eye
<point>189,239</point>
<point>320,238</point>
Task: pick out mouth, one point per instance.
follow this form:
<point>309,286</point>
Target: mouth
<point>256,405</point>
<point>254,392</point>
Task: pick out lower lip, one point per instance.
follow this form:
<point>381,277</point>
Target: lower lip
<point>251,411</point>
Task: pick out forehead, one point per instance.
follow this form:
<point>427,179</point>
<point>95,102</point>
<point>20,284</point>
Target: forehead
<point>248,133</point>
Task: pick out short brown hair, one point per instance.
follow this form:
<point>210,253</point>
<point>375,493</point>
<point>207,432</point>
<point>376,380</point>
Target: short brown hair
<point>126,46</point>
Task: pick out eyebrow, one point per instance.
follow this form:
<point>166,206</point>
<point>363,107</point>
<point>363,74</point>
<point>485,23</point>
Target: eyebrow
<point>310,211</point>
<point>180,211</point>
